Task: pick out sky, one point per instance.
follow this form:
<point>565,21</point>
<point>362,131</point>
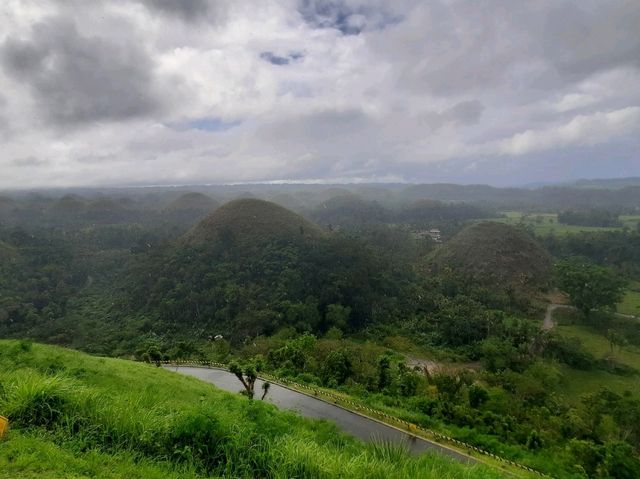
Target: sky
<point>140,92</point>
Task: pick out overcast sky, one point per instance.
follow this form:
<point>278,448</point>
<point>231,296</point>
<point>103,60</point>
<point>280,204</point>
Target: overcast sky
<point>119,92</point>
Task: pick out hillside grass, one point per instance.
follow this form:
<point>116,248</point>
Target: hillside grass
<point>77,416</point>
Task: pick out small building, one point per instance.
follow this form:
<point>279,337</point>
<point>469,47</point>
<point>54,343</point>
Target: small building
<point>434,234</point>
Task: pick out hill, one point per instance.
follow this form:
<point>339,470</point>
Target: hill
<point>74,415</point>
<point>348,211</point>
<point>251,221</point>
<point>192,201</point>
<point>497,255</point>
<point>189,208</point>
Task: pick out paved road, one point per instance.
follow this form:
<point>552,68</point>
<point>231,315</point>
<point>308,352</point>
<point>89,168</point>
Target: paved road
<point>352,423</point>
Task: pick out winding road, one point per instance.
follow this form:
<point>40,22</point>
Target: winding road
<point>362,427</point>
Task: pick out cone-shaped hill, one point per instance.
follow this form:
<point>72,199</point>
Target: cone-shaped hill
<point>68,205</point>
<point>192,202</point>
<point>251,221</point>
<point>496,255</point>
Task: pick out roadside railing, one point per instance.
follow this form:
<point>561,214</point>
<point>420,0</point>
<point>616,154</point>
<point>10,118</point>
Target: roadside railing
<point>366,411</point>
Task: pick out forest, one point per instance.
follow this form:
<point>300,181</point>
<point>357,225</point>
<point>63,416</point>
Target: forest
<point>495,334</point>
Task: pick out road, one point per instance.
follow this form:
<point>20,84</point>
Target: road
<point>362,427</point>
<point>548,323</point>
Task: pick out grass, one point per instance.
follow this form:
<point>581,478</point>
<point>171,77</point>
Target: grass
<point>577,382</point>
<point>599,346</point>
<point>545,224</point>
<point>74,416</point>
<point>630,304</point>
<point>630,221</point>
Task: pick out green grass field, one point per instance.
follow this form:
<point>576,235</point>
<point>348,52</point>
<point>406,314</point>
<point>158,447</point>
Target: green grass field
<point>576,383</point>
<point>630,304</point>
<point>547,223</point>
<point>631,221</point>
<point>77,416</point>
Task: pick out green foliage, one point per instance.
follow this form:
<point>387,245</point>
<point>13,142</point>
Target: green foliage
<point>477,396</point>
<point>336,369</point>
<point>589,286</point>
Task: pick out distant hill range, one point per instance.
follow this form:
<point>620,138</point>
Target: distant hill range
<point>610,183</point>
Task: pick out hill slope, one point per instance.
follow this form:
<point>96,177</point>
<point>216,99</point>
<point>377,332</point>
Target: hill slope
<point>497,255</point>
<point>251,220</point>
<point>78,416</point>
<point>192,201</point>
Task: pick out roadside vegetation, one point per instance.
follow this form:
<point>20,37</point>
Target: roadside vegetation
<point>73,415</point>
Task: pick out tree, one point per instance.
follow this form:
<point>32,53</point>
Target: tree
<point>384,372</point>
<point>589,286</point>
<point>247,375</point>
<point>265,389</point>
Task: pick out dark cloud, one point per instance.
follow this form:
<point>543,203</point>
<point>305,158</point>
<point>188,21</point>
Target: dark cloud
<point>350,19</point>
<point>465,112</point>
<point>189,10</point>
<point>29,161</point>
<point>280,60</point>
<point>77,79</point>
<point>582,38</point>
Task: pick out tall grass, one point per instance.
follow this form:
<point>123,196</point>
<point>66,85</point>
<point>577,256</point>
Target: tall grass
<point>120,409</point>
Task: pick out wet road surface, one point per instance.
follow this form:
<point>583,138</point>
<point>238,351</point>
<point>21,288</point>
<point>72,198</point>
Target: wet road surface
<point>359,426</point>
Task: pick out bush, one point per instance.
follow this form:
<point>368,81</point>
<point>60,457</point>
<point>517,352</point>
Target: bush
<point>37,401</point>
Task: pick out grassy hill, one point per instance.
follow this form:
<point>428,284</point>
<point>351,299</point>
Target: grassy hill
<point>77,416</point>
<point>251,220</point>
<point>495,254</point>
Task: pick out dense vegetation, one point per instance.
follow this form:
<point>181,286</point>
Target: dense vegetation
<point>444,335</point>
<point>589,218</point>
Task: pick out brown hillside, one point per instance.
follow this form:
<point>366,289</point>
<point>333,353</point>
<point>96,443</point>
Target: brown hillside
<point>252,220</point>
<point>496,255</point>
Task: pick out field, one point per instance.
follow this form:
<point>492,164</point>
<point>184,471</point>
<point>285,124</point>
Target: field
<point>547,223</point>
<point>77,416</point>
<point>630,304</point>
<point>576,382</point>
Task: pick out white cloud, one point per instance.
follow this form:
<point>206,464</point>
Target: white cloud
<point>580,131</point>
<point>377,89</point>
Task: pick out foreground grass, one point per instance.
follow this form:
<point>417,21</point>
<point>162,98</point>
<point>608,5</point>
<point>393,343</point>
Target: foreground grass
<point>76,416</point>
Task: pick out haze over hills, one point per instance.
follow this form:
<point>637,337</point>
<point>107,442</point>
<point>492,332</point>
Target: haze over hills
<point>251,220</point>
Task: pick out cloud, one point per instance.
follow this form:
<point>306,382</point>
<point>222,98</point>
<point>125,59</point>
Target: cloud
<point>350,18</point>
<point>78,79</point>
<point>29,161</point>
<point>280,60</point>
<point>153,91</point>
<point>581,130</point>
<point>189,10</point>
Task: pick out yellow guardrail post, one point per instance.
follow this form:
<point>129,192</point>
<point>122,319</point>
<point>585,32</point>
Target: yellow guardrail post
<point>4,426</point>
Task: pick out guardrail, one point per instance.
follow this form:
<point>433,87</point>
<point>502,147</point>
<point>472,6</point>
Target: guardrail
<point>411,427</point>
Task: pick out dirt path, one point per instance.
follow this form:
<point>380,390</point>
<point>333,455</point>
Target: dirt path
<point>548,324</point>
